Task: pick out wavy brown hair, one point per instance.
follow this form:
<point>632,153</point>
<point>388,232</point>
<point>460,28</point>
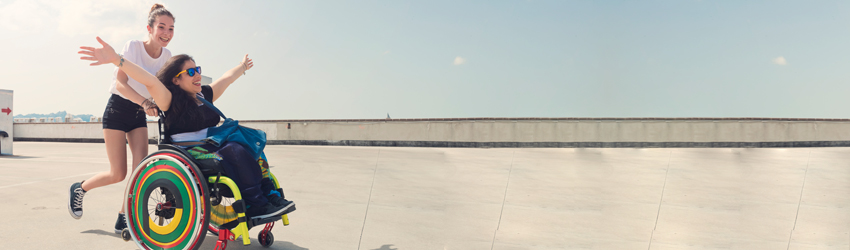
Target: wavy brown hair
<point>182,103</point>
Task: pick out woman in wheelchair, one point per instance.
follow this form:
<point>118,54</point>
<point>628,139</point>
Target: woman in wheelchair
<point>176,89</point>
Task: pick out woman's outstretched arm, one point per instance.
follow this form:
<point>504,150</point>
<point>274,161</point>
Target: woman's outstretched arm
<point>107,55</point>
<point>230,76</point>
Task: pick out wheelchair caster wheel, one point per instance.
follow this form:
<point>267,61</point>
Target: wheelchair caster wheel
<point>125,234</point>
<point>266,238</point>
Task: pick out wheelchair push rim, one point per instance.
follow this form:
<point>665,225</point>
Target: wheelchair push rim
<point>167,203</point>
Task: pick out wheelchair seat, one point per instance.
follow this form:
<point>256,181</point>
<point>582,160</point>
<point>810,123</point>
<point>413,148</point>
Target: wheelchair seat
<point>208,167</point>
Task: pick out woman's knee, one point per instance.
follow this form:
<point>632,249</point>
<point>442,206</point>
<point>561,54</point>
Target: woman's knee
<point>116,176</point>
<point>236,152</point>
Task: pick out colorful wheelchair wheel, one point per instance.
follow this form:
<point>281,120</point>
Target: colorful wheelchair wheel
<point>167,203</point>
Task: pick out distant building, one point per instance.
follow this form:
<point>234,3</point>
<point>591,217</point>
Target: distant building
<point>57,118</point>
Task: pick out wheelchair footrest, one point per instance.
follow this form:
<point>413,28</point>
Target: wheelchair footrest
<point>255,222</point>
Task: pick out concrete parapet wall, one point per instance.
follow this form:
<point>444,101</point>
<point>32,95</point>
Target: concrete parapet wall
<point>59,130</point>
<point>518,132</point>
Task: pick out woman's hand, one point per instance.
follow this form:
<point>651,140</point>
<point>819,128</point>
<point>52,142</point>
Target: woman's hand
<point>100,56</point>
<point>152,111</point>
<point>221,84</point>
<point>247,63</point>
<point>150,107</point>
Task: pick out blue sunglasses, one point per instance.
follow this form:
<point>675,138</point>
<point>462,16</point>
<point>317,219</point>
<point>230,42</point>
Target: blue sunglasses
<point>190,71</point>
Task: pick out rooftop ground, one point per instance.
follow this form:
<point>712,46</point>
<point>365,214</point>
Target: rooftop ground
<point>477,198</point>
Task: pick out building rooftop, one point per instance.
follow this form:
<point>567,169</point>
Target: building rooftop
<point>478,198</point>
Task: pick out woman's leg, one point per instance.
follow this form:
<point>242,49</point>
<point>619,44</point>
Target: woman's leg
<point>116,151</point>
<point>267,185</point>
<point>118,118</point>
<point>240,166</point>
<point>243,169</point>
<point>117,154</point>
<point>138,141</point>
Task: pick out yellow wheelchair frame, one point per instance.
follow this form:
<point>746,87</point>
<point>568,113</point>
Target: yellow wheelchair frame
<point>241,230</point>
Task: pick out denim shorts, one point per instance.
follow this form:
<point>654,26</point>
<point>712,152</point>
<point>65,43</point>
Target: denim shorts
<point>122,114</point>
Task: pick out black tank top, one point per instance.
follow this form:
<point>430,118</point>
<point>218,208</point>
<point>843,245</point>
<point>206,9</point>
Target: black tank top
<point>181,123</point>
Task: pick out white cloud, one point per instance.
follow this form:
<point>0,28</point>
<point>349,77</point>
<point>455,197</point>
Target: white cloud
<point>386,52</point>
<point>114,20</point>
<point>459,60</point>
<point>780,61</point>
<point>24,16</point>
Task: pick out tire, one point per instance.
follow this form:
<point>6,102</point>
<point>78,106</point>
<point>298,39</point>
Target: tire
<point>125,235</point>
<point>167,202</point>
<point>266,238</point>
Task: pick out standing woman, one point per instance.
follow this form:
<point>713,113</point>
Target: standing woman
<point>124,120</point>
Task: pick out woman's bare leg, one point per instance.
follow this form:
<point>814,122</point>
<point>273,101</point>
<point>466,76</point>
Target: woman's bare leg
<point>116,151</point>
<point>138,140</point>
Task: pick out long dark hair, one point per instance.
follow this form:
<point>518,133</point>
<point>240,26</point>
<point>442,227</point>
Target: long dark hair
<point>182,103</point>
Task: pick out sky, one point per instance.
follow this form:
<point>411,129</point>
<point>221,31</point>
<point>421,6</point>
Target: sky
<point>451,59</point>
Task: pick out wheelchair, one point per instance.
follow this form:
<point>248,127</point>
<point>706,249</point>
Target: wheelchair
<point>172,200</point>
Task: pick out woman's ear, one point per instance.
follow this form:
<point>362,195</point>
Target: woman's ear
<point>149,28</point>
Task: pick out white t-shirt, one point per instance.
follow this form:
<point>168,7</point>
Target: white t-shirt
<point>134,51</point>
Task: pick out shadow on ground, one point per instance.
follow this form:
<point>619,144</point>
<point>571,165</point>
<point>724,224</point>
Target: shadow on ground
<point>210,240</point>
<point>18,157</point>
<point>103,233</point>
<point>386,247</point>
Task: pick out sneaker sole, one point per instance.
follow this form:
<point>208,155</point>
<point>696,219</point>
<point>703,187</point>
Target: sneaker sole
<point>279,212</point>
<point>289,210</point>
<point>71,211</point>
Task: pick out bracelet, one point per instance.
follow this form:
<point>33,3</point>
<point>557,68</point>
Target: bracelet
<point>148,103</point>
<point>122,60</point>
<point>244,69</point>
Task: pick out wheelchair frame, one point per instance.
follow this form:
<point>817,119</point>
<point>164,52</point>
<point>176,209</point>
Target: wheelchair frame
<point>185,199</point>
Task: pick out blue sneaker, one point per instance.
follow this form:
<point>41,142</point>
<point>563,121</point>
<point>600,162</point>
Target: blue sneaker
<point>288,205</point>
<point>75,200</point>
<point>120,224</point>
<point>266,210</point>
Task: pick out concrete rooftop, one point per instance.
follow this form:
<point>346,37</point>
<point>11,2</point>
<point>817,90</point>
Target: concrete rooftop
<point>476,198</point>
